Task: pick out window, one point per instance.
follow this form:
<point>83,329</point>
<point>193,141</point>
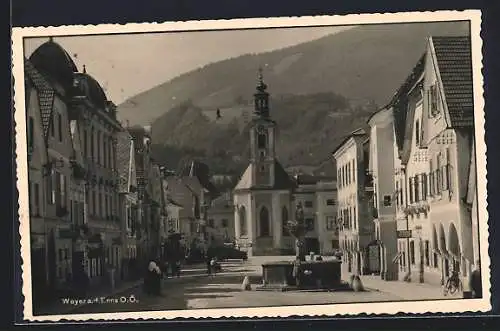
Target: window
<point>417,182</point>
<point>433,93</point>
<point>411,189</point>
<point>225,223</point>
<point>417,132</point>
<point>92,145</point>
<point>85,143</point>
<point>354,217</point>
<point>431,178</point>
<point>330,223</point>
<point>284,221</point>
<point>211,222</point>
<point>425,187</point>
<point>94,206</point>
<point>397,194</point>
<point>387,201</point>
<point>31,131</point>
<point>330,202</point>
<point>447,171</point>
<point>261,140</point>
<point>264,222</point>
<point>61,193</point>
<point>243,221</point>
<point>349,173</point>
<point>309,224</point>
<point>427,253</point>
<point>36,198</point>
<point>98,147</point>
<point>353,171</point>
<point>439,179</point>
<point>308,204</point>
<point>59,127</point>
<point>104,151</point>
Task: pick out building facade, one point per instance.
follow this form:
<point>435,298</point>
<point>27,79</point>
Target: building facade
<point>263,195</point>
<point>356,230</point>
<point>128,204</point>
<point>221,220</point>
<point>449,137</point>
<point>326,216</point>
<point>52,72</point>
<point>381,167</point>
<point>98,127</point>
<point>35,88</point>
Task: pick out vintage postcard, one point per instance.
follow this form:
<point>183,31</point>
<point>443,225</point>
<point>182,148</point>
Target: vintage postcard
<point>312,166</point>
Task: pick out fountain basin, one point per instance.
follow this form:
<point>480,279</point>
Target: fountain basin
<point>315,275</point>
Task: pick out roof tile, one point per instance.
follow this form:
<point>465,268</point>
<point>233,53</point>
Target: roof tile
<point>45,94</point>
<point>455,67</point>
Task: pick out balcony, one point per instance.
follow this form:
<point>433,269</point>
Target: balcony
<point>417,209</point>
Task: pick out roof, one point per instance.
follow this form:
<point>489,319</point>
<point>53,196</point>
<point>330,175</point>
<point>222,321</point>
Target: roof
<point>454,62</point>
<point>282,180</point>
<point>399,101</point>
<point>45,94</point>
<point>355,133</point>
<point>87,86</point>
<point>55,63</point>
<point>201,172</point>
<point>171,201</point>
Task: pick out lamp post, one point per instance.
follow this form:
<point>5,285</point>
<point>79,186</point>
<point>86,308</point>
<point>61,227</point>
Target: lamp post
<point>421,249</point>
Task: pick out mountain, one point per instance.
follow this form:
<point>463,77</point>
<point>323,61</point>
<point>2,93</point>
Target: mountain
<point>309,127</point>
<point>365,63</point>
<point>320,92</point>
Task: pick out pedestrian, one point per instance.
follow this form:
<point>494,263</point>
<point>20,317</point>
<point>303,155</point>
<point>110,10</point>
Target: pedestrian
<point>152,281</point>
<point>296,271</point>
<point>475,282</point>
<point>214,265</point>
<point>178,268</point>
<point>208,261</point>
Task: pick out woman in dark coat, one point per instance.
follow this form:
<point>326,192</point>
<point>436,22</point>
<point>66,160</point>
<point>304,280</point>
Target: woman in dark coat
<point>475,282</point>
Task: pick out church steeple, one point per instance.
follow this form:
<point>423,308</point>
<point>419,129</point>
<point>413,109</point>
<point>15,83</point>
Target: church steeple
<point>261,97</point>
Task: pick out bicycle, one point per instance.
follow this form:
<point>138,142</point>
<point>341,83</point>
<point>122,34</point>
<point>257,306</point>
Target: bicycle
<point>453,283</point>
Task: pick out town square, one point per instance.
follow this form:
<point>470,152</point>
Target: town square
<point>306,166</point>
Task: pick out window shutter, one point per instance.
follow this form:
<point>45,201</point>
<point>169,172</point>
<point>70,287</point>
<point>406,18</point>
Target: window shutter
<point>424,186</point>
<point>448,170</point>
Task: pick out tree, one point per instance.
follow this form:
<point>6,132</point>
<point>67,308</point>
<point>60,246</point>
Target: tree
<point>297,229</point>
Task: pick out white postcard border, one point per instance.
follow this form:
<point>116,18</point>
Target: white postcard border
<point>411,307</point>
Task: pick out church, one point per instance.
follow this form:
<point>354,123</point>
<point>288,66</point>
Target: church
<point>263,196</point>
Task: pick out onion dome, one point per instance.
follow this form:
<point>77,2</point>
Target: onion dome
<point>84,85</point>
<point>51,60</point>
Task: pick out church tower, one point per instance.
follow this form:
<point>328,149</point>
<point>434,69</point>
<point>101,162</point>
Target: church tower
<point>262,138</point>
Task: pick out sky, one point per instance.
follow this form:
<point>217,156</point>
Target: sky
<point>128,64</point>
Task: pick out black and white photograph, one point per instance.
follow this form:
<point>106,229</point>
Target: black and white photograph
<point>257,167</point>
